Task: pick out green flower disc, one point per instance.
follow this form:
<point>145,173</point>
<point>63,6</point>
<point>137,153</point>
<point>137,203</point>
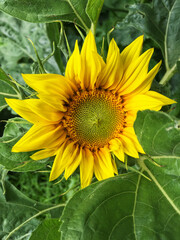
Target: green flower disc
<point>95,119</point>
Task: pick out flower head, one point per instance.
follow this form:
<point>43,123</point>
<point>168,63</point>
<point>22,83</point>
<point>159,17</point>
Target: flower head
<point>86,116</point>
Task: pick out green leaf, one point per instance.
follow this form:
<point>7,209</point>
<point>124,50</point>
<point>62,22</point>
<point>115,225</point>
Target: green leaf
<point>62,43</point>
<point>158,134</point>
<point>49,11</point>
<point>93,10</point>
<point>53,32</point>
<point>175,109</point>
<point>5,78</point>
<point>160,23</point>
<point>129,206</point>
<point>6,90</point>
<point>16,208</point>
<point>13,195</point>
<point>47,230</point>
<point>18,162</point>
<point>125,207</point>
<point>38,66</point>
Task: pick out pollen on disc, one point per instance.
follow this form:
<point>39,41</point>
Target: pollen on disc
<point>94,118</point>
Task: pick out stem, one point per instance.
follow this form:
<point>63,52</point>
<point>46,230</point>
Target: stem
<point>134,170</point>
<point>11,140</point>
<point>34,216</point>
<point>67,44</point>
<point>78,16</point>
<point>79,31</point>
<point>8,94</point>
<point>23,50</point>
<point>20,86</point>
<point>168,75</point>
<point>93,28</point>
<point>108,35</point>
<point>142,164</point>
<point>18,91</point>
<point>50,55</point>
<point>41,67</point>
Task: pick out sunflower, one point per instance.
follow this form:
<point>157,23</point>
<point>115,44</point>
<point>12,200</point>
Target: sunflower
<point>86,117</point>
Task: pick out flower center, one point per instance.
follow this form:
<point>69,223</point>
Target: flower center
<point>94,117</point>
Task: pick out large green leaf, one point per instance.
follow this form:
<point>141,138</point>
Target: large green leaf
<point>126,207</point>
<point>16,208</point>
<point>48,11</point>
<point>159,22</point>
<point>47,230</point>
<point>19,162</point>
<point>130,206</point>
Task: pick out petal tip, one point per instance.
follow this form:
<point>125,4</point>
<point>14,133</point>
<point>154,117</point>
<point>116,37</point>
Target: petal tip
<point>15,149</point>
<point>173,101</point>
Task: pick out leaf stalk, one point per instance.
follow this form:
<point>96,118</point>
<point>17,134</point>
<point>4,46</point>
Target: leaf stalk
<point>168,75</point>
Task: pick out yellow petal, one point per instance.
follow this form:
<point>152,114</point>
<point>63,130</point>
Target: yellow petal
<point>56,101</point>
<point>135,73</point>
<point>132,52</point>
<point>129,147</point>
<point>103,165</point>
<point>44,110</point>
<point>91,63</point>
<point>114,166</point>
<point>58,167</point>
<point>51,83</point>
<point>86,168</point>
<point>146,84</point>
<point>117,148</point>
<point>130,133</point>
<point>35,110</point>
<point>89,45</point>
<point>150,100</point>
<point>62,159</point>
<point>131,117</point>
<point>73,67</point>
<point>112,73</point>
<point>45,153</point>
<point>21,108</point>
<point>75,162</point>
<point>165,100</point>
<point>39,137</point>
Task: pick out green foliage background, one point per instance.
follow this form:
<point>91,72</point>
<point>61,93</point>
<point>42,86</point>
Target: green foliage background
<point>143,202</point>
